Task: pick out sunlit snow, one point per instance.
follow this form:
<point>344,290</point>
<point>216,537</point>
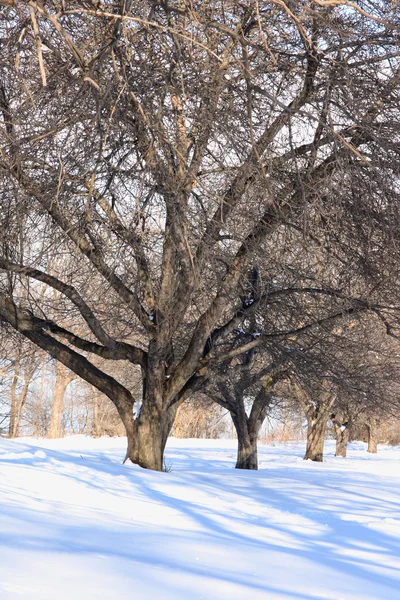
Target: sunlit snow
<point>77,524</point>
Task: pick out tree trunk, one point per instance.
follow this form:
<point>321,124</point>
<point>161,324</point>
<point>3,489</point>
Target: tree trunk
<point>341,424</point>
<point>247,454</point>
<point>317,422</point>
<point>372,436</point>
<point>168,424</point>
<point>145,441</point>
<point>13,407</point>
<point>30,366</point>
<point>95,418</point>
<point>342,439</point>
<point>147,436</point>
<point>63,379</point>
<point>21,405</point>
<point>247,441</point>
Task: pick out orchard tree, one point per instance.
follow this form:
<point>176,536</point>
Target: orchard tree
<point>160,148</point>
<point>249,397</point>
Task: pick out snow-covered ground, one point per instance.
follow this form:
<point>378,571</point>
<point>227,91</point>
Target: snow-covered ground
<point>75,524</point>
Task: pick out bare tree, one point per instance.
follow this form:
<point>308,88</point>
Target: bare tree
<point>164,147</point>
<point>249,397</point>
<point>23,363</point>
<point>200,417</point>
<point>62,380</point>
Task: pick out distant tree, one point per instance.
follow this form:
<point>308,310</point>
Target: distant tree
<point>63,378</point>
<point>342,423</point>
<point>200,417</point>
<point>249,398</point>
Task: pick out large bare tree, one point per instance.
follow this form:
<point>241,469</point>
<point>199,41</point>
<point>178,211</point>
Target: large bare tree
<point>163,147</point>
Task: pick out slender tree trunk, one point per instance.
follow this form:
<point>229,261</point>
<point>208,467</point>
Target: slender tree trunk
<point>14,401</point>
<point>95,419</point>
<point>63,379</point>
<point>317,420</point>
<point>372,427</point>
<point>30,365</point>
<point>38,412</point>
<point>21,405</point>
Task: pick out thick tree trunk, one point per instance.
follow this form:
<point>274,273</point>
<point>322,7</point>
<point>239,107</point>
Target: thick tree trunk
<point>63,378</point>
<point>372,436</point>
<point>148,442</point>
<point>247,441</point>
<point>247,454</point>
<point>317,422</point>
<point>147,436</point>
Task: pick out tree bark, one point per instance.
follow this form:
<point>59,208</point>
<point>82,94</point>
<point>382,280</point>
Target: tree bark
<point>372,427</point>
<point>247,457</point>
<point>247,427</point>
<point>342,434</point>
<point>317,419</point>
<point>63,379</point>
<point>247,439</point>
<point>148,433</point>
<point>342,439</point>
<point>146,439</point>
<point>317,413</point>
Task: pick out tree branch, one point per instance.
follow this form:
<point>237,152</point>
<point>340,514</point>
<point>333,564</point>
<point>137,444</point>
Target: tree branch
<point>26,322</point>
<point>119,395</point>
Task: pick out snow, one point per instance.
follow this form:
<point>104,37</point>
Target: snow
<point>137,407</point>
<point>77,524</point>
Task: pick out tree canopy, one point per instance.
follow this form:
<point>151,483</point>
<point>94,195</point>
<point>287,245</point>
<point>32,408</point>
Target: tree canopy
<point>155,154</point>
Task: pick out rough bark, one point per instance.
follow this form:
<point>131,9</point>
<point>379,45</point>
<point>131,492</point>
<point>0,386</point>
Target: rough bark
<point>248,427</point>
<point>247,457</point>
<point>148,437</point>
<point>316,437</point>
<point>317,420</point>
<point>317,414</point>
<point>342,433</point>
<point>342,439</point>
<point>247,440</point>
